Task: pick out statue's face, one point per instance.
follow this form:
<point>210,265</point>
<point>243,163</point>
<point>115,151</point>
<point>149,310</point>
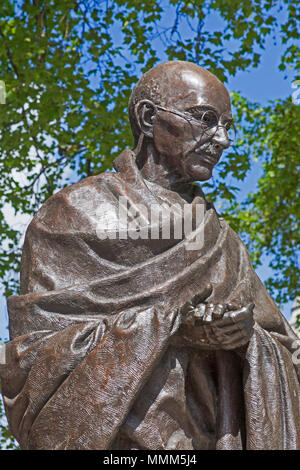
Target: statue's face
<point>191,129</point>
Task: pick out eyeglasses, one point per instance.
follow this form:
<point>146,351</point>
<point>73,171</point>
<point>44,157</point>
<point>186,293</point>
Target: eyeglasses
<point>207,120</point>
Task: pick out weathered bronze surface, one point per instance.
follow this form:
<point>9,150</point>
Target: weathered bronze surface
<point>145,343</point>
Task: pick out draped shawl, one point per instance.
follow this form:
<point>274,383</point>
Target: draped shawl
<point>91,364</point>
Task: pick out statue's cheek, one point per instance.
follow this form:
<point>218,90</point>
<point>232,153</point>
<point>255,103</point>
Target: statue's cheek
<point>172,136</point>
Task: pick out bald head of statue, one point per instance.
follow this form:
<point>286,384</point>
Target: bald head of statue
<point>180,115</point>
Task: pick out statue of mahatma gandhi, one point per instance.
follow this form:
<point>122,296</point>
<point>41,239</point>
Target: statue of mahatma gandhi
<point>149,342</point>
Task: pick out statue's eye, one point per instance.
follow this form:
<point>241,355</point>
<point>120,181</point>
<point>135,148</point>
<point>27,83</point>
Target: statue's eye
<point>209,118</point>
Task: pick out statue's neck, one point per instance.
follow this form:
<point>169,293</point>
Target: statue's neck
<point>154,167</point>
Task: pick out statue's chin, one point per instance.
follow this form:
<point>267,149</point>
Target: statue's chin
<point>199,171</point>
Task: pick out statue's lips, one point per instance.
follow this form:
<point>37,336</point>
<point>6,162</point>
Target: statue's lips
<point>209,158</point>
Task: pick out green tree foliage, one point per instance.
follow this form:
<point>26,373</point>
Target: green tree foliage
<point>69,67</point>
<point>268,218</point>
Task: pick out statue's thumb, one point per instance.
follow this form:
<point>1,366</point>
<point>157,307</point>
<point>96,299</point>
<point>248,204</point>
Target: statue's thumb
<point>202,295</point>
<point>197,299</point>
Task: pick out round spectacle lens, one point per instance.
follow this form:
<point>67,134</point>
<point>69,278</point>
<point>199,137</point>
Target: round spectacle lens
<point>231,133</point>
<point>208,119</point>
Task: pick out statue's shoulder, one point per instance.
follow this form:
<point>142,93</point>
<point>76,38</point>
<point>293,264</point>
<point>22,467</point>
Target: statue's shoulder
<point>78,203</point>
<point>74,204</point>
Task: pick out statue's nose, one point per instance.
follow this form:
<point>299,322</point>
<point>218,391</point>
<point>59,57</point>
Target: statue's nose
<point>221,138</point>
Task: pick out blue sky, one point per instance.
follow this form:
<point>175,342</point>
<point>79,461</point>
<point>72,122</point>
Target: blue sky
<point>260,85</point>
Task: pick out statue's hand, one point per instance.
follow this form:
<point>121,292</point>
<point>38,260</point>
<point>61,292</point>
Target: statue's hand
<point>210,326</point>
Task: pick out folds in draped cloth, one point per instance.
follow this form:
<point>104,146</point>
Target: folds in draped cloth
<point>90,364</point>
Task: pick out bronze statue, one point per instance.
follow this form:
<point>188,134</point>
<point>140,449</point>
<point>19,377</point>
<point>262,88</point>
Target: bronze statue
<point>142,342</point>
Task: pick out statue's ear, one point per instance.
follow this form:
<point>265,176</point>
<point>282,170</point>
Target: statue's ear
<point>145,112</point>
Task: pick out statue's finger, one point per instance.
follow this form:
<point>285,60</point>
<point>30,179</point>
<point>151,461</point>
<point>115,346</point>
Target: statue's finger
<point>208,313</point>
<point>225,320</point>
<point>227,330</point>
<point>199,312</point>
<point>186,308</point>
<point>242,314</point>
<point>210,335</point>
<point>233,307</point>
<point>202,295</point>
<point>232,317</point>
<point>233,323</point>
<point>218,312</point>
<point>246,324</point>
